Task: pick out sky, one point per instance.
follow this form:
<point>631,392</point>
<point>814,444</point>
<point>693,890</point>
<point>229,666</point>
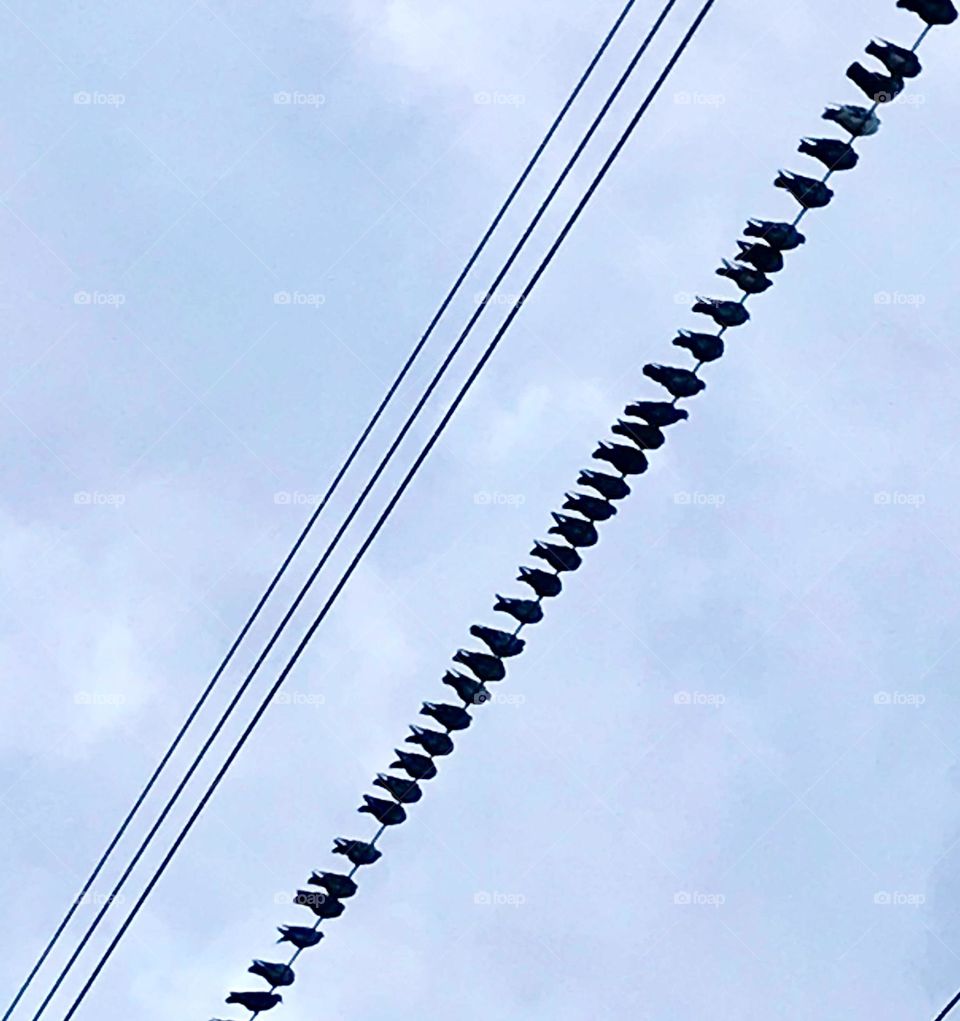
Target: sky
<point>721,781</point>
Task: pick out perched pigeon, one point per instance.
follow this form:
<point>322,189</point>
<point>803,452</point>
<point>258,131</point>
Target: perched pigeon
<point>575,530</point>
<point>544,584</point>
<point>275,974</point>
<point>881,88</point>
<point>705,347</point>
<point>560,558</point>
<point>487,668</point>
<point>658,413</point>
<point>431,741</point>
<point>608,486</point>
<point>591,507</point>
<point>334,883</point>
<point>809,193</point>
<point>321,904</point>
<point>627,460</point>
<point>858,120</point>
<point>761,257</point>
<point>450,717</point>
<point>679,382</point>
<point>832,153</point>
<point>256,1002</point>
<point>898,60</point>
<point>420,767</point>
<point>933,12</point>
<point>386,812</point>
<point>782,236</point>
<point>404,791</point>
<point>527,611</point>
<point>300,936</point>
<point>750,281</point>
<point>501,643</point>
<point>646,437</point>
<point>357,851</point>
<point>469,689</point>
<point>724,313</point>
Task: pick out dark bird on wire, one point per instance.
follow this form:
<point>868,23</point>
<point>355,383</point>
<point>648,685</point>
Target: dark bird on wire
<point>256,1002</point>
<point>321,904</point>
<point>450,717</point>
<point>275,974</point>
<point>722,312</point>
<point>470,690</point>
<point>658,413</point>
<point>646,437</point>
<point>334,883</point>
<point>420,767</point>
<point>782,236</point>
<point>881,88</point>
<point>501,643</point>
<point>705,347</point>
<point>933,12</point>
<point>300,936</point>
<point>679,382</point>
<point>488,668</point>
<point>627,460</point>
<point>545,585</point>
<point>761,257</point>
<point>591,507</point>
<point>608,486</point>
<point>752,281</point>
<point>575,530</point>
<point>356,851</point>
<point>526,611</point>
<point>898,60</point>
<point>431,741</point>
<point>811,194</point>
<point>403,790</point>
<point>386,812</point>
<point>831,152</point>
<point>858,120</point>
<point>560,558</point>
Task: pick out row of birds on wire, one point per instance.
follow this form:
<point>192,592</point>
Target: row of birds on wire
<point>760,257</point>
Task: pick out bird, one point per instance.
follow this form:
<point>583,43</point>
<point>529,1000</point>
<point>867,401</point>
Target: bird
<point>750,281</point>
<point>809,193</point>
<point>761,257</point>
<point>658,413</point>
<point>881,88</point>
<point>501,643</point>
<point>646,437</point>
<point>420,767</point>
<point>705,347</point>
<point>431,741</point>
<point>404,791</point>
<point>527,611</point>
<point>357,851</point>
<point>560,558</point>
<point>321,904</point>
<point>782,236</point>
<point>608,486</point>
<point>858,120</point>
<point>257,1001</point>
<point>832,153</point>
<point>933,12</point>
<point>591,507</point>
<point>898,60</point>
<point>487,668</point>
<point>627,460</point>
<point>723,312</point>
<point>575,530</point>
<point>545,585</point>
<point>679,382</point>
<point>450,717</point>
<point>389,813</point>
<point>275,974</point>
<point>334,883</point>
<point>301,936</point>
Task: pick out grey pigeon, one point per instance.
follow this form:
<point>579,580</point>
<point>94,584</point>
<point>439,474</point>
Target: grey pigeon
<point>560,558</point>
<point>750,281</point>
<point>810,193</point>
<point>469,689</point>
<point>301,936</point>
<point>591,507</point>
<point>782,236</point>
<point>545,585</point>
<point>880,88</point>
<point>256,1002</point>
<point>356,851</point>
<point>501,643</point>
<point>627,460</point>
<point>933,12</point>
<point>486,667</point>
<point>433,742</point>
<point>575,530</point>
<point>897,60</point>
<point>420,767</point>
<point>679,382</point>
<point>334,883</point>
<point>723,312</point>
<point>658,413</point>
<point>858,120</point>
<point>526,611</point>
<point>450,717</point>
<point>608,486</point>
<point>275,974</point>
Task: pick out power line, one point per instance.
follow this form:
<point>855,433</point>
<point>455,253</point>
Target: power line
<point>401,489</point>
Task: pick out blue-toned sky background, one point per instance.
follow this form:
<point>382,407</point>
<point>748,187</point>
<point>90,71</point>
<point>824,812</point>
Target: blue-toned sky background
<point>722,781</point>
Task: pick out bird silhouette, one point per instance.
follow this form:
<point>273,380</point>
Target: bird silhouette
<point>334,883</point>
<point>831,152</point>
<point>749,280</point>
<point>591,507</point>
<point>933,12</point>
<point>782,236</point>
<point>761,257</point>
<point>431,741</point>
<point>723,312</point>
<point>526,611</point>
<point>420,767</point>
<point>608,486</point>
<point>560,558</point>
<point>881,88</point>
<point>321,904</point>
<point>858,120</point>
<point>275,974</point>
<point>679,382</point>
<point>575,530</point>
<point>501,643</point>
<point>705,347</point>
<point>389,813</point>
<point>301,936</point>
<point>898,60</point>
<point>545,585</point>
<point>658,413</point>
<point>488,668</point>
<point>646,437</point>
<point>811,194</point>
<point>450,717</point>
<point>402,789</point>
<point>357,851</point>
<point>627,460</point>
<point>256,1002</point>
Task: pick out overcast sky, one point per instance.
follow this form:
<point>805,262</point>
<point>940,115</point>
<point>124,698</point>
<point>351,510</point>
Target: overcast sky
<point>722,781</point>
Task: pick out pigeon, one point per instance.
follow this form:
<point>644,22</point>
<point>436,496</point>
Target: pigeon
<point>591,507</point>
<point>724,313</point>
<point>705,347</point>
<point>404,791</point>
<point>750,281</point>
<point>502,644</point>
<point>782,236</point>
<point>858,120</point>
<point>658,413</point>
<point>761,257</point>
<point>560,558</point>
<point>608,486</point>
<point>832,153</point>
<point>470,690</point>
<point>897,60</point>
<point>356,851</point>
<point>450,717</point>
<point>627,460</point>
<point>679,382</point>
<point>809,193</point>
<point>544,584</point>
<point>300,936</point>
<point>933,12</point>
<point>527,611</point>
<point>881,88</point>
<point>420,767</point>
<point>335,884</point>
<point>487,668</point>
<point>256,1002</point>
<point>275,974</point>
<point>389,813</point>
<point>575,530</point>
<point>321,904</point>
<point>431,741</point>
<point>646,437</point>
